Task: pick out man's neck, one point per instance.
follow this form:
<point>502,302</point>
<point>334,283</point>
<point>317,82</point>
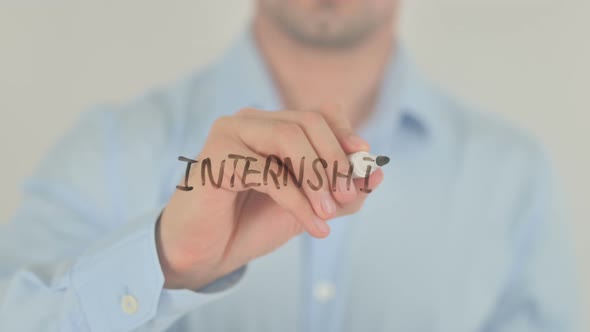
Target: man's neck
<point>308,77</point>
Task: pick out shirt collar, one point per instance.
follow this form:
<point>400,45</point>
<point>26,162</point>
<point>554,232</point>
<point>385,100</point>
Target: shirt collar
<point>405,99</point>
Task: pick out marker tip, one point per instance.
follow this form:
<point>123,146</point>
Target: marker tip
<point>382,161</point>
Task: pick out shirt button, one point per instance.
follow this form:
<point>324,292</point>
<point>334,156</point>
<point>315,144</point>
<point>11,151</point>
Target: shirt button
<point>129,304</point>
<point>324,291</point>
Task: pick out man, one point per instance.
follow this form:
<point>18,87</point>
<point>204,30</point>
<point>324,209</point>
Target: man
<point>459,234</point>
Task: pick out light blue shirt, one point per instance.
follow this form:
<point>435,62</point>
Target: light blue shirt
<point>462,235</point>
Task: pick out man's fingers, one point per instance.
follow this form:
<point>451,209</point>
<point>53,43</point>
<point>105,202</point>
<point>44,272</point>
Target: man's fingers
<point>286,140</point>
<point>247,169</point>
<point>294,200</point>
<point>364,187</point>
<point>325,144</point>
<point>342,128</point>
<point>305,138</point>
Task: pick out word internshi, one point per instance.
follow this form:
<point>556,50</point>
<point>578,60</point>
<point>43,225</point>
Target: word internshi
<point>275,168</point>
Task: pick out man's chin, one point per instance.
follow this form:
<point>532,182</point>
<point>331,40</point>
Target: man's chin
<point>326,24</point>
<point>327,32</point>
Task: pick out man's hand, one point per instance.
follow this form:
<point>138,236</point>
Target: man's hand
<point>208,232</point>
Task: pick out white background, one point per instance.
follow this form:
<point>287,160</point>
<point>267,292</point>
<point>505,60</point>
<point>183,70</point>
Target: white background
<point>527,59</point>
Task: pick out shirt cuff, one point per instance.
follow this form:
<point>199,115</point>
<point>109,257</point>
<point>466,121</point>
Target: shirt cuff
<point>119,282</point>
<point>177,302</point>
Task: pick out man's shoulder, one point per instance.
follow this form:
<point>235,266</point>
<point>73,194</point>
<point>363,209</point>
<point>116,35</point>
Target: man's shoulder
<point>176,99</point>
<point>163,112</point>
<point>486,150</point>
<point>144,126</point>
<point>488,135</point>
<point>495,163</point>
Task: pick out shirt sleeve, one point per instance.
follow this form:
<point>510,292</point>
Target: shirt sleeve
<point>540,293</point>
<point>70,260</point>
